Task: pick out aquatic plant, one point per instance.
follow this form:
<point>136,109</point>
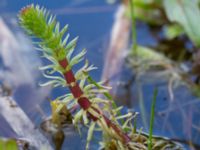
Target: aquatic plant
<point>40,24</point>
<point>152,119</point>
<point>96,112</point>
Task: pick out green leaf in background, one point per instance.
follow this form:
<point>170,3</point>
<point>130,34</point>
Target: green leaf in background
<point>187,14</point>
<point>174,30</point>
<point>148,54</point>
<point>1,144</point>
<point>8,144</point>
<point>147,11</point>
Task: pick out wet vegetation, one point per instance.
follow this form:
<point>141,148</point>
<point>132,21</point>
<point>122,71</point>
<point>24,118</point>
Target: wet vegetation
<point>105,114</point>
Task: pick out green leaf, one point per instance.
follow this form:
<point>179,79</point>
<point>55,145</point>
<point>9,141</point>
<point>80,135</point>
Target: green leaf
<point>172,31</point>
<point>152,119</point>
<point>90,134</point>
<point>8,144</point>
<point>79,57</point>
<point>146,54</point>
<point>187,14</point>
<point>11,145</point>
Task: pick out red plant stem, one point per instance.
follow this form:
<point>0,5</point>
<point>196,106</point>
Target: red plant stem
<point>85,103</point>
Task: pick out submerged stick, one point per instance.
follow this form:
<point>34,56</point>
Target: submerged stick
<point>21,124</point>
<point>118,46</point>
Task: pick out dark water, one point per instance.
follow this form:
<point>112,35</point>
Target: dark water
<point>92,20</point>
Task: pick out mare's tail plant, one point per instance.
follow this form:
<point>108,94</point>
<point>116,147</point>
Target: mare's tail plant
<point>83,90</point>
<point>96,112</point>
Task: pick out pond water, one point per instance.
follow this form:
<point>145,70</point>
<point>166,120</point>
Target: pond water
<point>92,21</point>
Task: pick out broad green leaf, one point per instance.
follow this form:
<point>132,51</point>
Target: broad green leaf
<point>8,144</point>
<point>187,14</point>
<point>11,145</point>
<point>1,144</point>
